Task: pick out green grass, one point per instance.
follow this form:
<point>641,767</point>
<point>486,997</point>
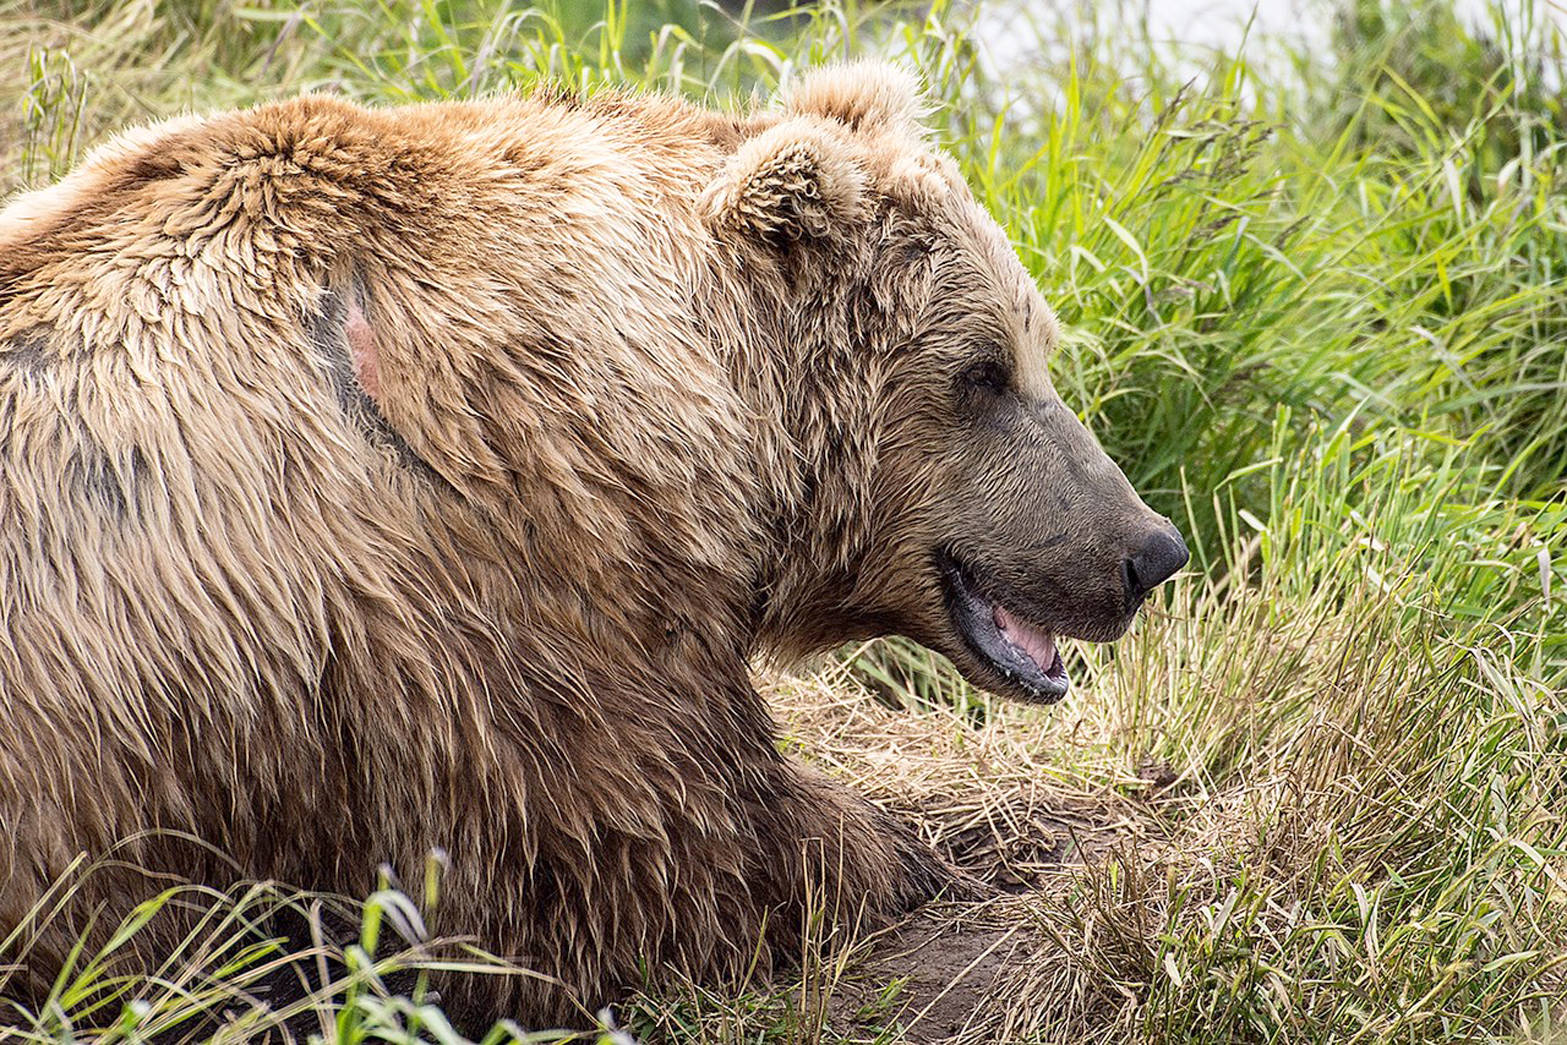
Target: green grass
<point>1315,307</point>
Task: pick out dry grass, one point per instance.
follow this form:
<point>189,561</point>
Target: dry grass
<point>1331,883</point>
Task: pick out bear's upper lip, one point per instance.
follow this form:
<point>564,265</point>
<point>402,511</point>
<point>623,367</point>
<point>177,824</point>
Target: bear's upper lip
<point>1025,655</point>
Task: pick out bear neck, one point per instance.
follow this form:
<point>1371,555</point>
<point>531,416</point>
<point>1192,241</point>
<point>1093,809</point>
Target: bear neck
<point>809,419</point>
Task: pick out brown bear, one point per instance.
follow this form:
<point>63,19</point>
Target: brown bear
<point>381,481</point>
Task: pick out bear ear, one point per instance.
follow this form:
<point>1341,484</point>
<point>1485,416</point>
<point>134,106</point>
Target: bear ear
<point>862,96</point>
<point>788,183</point>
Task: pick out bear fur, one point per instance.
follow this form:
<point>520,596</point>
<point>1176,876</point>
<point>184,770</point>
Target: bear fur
<point>374,482</point>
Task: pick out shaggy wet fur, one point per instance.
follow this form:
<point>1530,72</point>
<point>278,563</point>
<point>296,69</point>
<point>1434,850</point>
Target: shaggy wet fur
<point>381,481</point>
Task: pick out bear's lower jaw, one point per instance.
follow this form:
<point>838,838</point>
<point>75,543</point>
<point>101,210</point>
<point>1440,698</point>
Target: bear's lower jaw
<point>1022,658</point>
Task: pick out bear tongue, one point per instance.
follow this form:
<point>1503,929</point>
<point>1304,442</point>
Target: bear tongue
<point>1038,644</point>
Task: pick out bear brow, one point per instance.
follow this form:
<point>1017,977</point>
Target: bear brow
<point>1051,334</point>
<point>1033,350</point>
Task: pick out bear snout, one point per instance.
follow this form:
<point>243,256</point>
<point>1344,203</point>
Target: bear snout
<point>1157,558</point>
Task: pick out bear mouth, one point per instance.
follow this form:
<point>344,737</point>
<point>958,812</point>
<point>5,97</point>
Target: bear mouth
<point>1024,655</point>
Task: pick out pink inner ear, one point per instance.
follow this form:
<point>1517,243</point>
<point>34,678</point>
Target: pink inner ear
<point>361,349</point>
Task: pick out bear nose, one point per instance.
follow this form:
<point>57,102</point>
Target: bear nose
<point>1162,553</point>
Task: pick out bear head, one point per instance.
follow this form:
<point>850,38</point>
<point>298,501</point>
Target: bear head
<point>947,493</point>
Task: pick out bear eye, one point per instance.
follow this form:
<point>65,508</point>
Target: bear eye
<point>987,375</point>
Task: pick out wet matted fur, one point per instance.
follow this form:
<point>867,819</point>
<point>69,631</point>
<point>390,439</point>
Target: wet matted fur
<point>377,481</point>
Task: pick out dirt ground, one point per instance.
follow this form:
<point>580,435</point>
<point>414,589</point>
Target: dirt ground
<point>963,972</point>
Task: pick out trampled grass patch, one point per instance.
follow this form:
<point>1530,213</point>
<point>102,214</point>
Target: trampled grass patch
<point>1314,306</point>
